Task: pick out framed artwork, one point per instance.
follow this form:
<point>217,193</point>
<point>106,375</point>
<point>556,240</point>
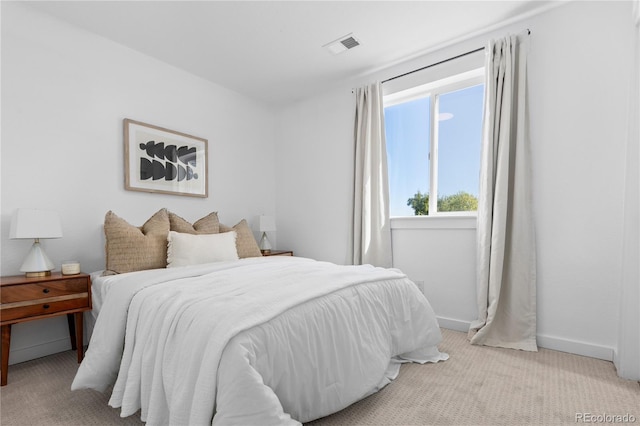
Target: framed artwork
<point>164,161</point>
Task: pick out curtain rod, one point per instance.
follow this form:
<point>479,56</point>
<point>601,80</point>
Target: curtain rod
<point>433,65</point>
<point>442,62</point>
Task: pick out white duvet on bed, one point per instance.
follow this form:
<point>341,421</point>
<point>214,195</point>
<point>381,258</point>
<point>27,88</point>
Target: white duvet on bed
<point>271,340</point>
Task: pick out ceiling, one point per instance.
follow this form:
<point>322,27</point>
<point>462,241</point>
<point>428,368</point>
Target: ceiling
<point>273,50</point>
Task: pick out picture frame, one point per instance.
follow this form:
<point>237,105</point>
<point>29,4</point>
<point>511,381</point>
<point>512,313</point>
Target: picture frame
<point>164,161</point>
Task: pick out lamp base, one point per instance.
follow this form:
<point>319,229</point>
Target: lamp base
<point>37,264</point>
<point>265,245</point>
<point>37,274</point>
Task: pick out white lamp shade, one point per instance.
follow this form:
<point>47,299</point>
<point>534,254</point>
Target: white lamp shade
<point>34,223</point>
<point>267,224</point>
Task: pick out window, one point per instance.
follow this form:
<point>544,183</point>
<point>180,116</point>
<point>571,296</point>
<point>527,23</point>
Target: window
<point>433,133</point>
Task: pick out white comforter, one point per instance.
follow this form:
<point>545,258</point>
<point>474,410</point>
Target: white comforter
<point>274,340</point>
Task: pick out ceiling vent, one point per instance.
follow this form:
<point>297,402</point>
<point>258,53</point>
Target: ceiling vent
<point>343,43</point>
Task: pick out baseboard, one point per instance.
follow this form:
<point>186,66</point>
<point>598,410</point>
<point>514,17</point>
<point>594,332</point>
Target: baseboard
<point>28,353</point>
<point>576,347</point>
<point>548,342</point>
<point>454,324</point>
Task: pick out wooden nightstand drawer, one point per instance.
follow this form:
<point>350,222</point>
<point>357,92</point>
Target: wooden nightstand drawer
<point>45,306</point>
<point>18,293</point>
<point>33,298</point>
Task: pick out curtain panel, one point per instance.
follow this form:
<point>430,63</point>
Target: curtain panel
<point>371,224</point>
<point>506,262</point>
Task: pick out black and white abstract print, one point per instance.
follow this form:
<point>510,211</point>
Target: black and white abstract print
<point>170,162</point>
<point>164,161</point>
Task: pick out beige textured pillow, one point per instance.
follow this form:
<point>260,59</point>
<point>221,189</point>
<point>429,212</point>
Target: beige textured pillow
<point>207,225</point>
<point>245,242</point>
<point>131,248</point>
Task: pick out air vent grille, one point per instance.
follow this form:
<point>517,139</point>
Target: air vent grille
<point>350,42</point>
<point>342,44</point>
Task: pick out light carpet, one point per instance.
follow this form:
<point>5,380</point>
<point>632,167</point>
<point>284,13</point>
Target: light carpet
<point>476,386</point>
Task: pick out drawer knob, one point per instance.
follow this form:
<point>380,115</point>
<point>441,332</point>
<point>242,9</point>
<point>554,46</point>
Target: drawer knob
<point>46,290</point>
<point>45,306</point>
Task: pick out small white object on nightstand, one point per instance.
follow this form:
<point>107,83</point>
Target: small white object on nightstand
<point>266,224</point>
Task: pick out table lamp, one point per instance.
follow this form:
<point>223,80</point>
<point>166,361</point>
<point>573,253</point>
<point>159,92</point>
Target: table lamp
<point>266,224</point>
<point>36,224</point>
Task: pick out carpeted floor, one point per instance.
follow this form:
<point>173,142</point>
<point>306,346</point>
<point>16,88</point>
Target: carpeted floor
<point>476,386</point>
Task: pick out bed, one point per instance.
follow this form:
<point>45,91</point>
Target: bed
<point>250,339</point>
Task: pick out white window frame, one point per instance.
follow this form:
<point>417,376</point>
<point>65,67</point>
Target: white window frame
<point>433,90</point>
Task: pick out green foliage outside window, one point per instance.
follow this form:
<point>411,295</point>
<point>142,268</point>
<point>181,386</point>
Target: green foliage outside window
<point>419,203</point>
<point>459,202</point>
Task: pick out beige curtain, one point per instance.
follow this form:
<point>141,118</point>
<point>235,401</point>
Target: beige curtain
<point>371,228</point>
<point>628,351</point>
<point>506,280</point>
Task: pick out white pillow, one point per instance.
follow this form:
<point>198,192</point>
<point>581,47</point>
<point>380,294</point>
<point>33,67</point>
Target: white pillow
<point>191,249</point>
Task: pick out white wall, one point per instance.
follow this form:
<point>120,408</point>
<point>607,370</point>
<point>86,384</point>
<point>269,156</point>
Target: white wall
<point>314,158</point>
<point>579,160</point>
<point>65,93</point>
<point>627,356</point>
<point>578,106</point>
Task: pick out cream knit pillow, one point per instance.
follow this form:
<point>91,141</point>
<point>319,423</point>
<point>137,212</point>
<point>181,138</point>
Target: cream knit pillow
<point>191,249</point>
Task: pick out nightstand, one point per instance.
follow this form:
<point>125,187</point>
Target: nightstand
<point>27,299</point>
<point>279,253</point>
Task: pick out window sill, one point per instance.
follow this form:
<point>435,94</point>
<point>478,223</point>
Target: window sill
<point>435,222</point>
